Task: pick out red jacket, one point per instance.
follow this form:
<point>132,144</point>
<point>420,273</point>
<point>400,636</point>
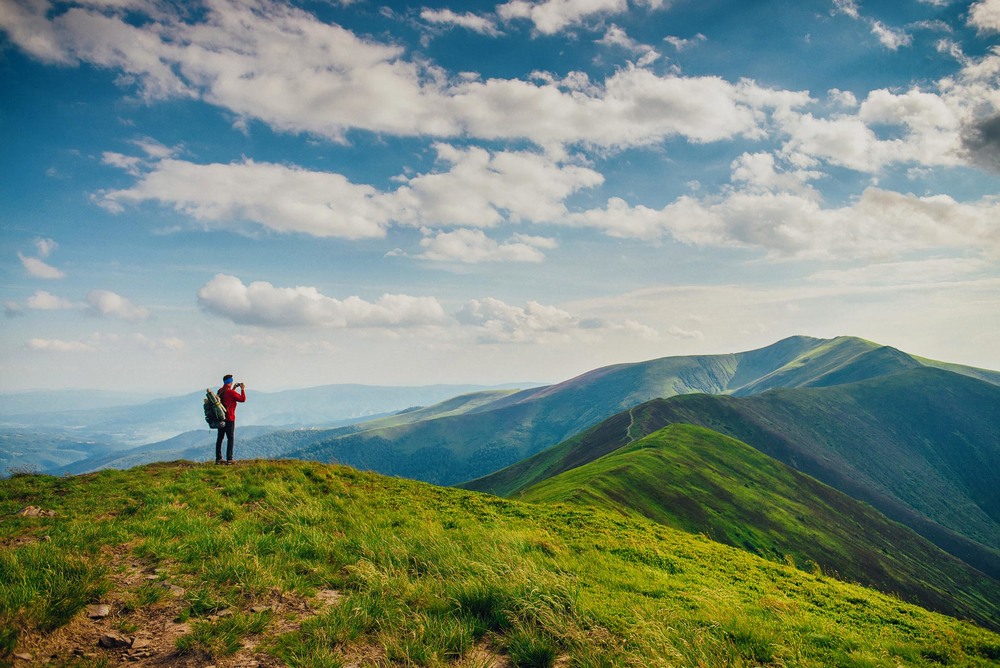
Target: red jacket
<point>229,398</point>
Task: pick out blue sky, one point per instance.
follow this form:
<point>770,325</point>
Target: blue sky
<point>391,193</point>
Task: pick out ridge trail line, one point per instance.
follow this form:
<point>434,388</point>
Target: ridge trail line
<point>631,423</point>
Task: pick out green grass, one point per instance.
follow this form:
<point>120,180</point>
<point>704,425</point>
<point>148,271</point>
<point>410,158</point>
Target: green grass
<point>700,481</point>
<point>431,576</point>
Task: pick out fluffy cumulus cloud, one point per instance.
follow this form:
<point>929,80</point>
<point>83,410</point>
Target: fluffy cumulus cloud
<point>552,16</point>
<point>984,15</point>
<point>878,224</point>
<point>633,107</point>
<point>265,305</point>
<point>280,65</point>
<point>473,246</point>
<point>107,304</point>
<point>476,188</point>
<point>483,189</point>
<point>930,125</point>
<point>283,198</point>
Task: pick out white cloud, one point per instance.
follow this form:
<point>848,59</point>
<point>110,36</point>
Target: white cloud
<point>615,36</point>
<point>58,346</point>
<point>472,246</point>
<point>46,301</point>
<point>891,38</point>
<point>843,98</point>
<point>847,7</point>
<point>879,224</point>
<point>263,304</point>
<point>285,199</point>
<point>494,321</point>
<point>468,20</point>
<point>681,44</point>
<point>681,333</point>
<point>45,247</point>
<point>985,15</point>
<point>478,188</point>
<point>127,163</point>
<point>107,304</point>
<point>498,322</point>
<point>282,66</point>
<point>483,189</point>
<point>929,123</point>
<point>634,107</point>
<point>935,128</point>
<point>40,269</point>
<point>552,16</point>
<point>759,172</point>
<point>28,26</point>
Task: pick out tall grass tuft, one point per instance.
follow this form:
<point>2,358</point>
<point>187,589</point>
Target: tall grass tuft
<point>43,587</point>
<point>531,648</point>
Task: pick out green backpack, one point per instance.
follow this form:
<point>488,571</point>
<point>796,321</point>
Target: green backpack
<point>215,412</point>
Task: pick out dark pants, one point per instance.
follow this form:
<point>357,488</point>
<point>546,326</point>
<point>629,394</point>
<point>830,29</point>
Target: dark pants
<point>229,431</point>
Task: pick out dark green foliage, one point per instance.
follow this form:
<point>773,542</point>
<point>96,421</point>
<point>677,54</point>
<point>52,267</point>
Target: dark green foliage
<point>487,604</point>
<point>529,648</point>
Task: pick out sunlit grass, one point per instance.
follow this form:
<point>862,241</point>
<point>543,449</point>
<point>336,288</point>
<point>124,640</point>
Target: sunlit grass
<point>427,575</point>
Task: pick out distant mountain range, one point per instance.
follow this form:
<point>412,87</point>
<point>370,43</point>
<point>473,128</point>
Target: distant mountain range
<point>59,431</point>
<point>450,449</point>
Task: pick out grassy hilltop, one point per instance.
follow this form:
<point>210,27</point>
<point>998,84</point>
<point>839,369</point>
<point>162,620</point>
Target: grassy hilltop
<point>306,564</point>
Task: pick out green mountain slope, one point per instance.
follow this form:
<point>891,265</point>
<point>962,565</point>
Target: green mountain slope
<point>700,481</point>
<point>922,446</point>
<point>303,564</point>
<point>496,434</point>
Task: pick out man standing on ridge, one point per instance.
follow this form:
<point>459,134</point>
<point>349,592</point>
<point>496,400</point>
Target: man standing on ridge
<point>229,398</point>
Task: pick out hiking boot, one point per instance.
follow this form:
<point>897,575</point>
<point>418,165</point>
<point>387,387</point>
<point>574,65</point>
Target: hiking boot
<point>218,461</point>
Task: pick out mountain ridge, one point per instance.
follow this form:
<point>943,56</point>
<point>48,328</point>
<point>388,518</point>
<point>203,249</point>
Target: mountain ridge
<point>934,429</point>
<point>697,480</point>
<point>499,434</point>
